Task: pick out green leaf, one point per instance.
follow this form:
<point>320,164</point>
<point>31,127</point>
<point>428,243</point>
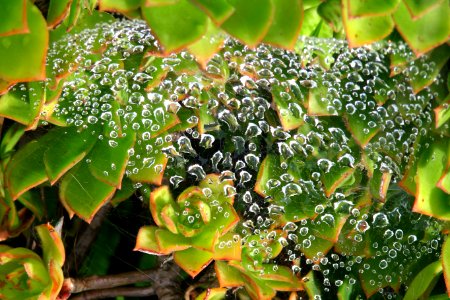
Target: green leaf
<point>109,160</point>
<point>444,181</point>
<point>318,102</point>
<point>159,198</point>
<point>119,5</point>
<point>74,14</point>
<point>358,126</point>
<point>176,25</point>
<point>10,138</point>
<point>68,146</point>
<point>81,193</point>
<point>442,114</point>
<point>365,30</point>
<point>208,45</point>
<point>330,11</point>
<point>126,191</point>
<point>248,24</point>
<point>23,55</point>
<point>22,103</point>
<point>146,240</point>
<point>445,258</point>
<point>52,245</point>
<point>418,8</point>
<point>268,169</point>
<point>192,260</point>
<point>424,281</point>
<point>217,10</point>
<point>312,286</point>
<point>286,23</point>
<point>430,200</point>
<point>14,17</point>
<point>26,169</point>
<point>32,200</point>
<point>227,275</point>
<point>426,32</point>
<point>345,291</point>
<point>169,242</point>
<point>152,169</point>
<point>371,8</point>
<point>57,11</point>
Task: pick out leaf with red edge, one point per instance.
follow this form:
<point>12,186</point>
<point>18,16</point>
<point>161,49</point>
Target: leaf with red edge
<point>426,32</point>
<point>23,103</point>
<point>176,25</point>
<point>430,200</point>
<point>151,170</point>
<point>205,48</point>
<point>217,10</point>
<point>360,129</point>
<point>335,177</point>
<point>438,58</point>
<point>57,11</point>
<point>52,245</point>
<point>206,239</point>
<point>169,242</point>
<point>418,8</point>
<point>57,279</point>
<point>213,294</point>
<point>445,258</point>
<point>444,181</point>
<point>119,5</point>
<point>68,146</point>
<point>23,55</point>
<point>248,24</point>
<point>289,111</point>
<point>257,288</point>
<point>159,198</point>
<point>318,102</point>
<point>330,11</point>
<point>365,30</point>
<point>146,241</point>
<point>371,8</point>
<point>26,169</point>
<point>227,275</point>
<point>228,247</point>
<point>317,245</point>
<point>442,113</point>
<point>286,23</point>
<point>14,17</point>
<point>108,163</point>
<point>81,193</point>
<point>32,200</point>
<point>192,260</point>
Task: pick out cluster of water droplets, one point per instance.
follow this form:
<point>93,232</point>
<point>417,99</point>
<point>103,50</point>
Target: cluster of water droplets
<point>316,111</point>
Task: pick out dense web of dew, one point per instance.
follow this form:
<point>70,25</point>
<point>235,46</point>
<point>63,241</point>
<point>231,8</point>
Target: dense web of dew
<point>301,133</point>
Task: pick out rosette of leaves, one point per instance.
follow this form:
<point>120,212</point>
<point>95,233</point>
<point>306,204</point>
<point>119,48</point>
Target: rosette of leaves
<point>196,227</point>
<point>257,270</point>
<point>25,275</point>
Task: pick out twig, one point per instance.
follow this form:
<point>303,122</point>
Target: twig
<point>167,283</point>
<point>109,281</point>
<point>114,292</point>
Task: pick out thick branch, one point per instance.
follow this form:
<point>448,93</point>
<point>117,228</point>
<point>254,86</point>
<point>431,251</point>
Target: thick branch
<point>114,292</point>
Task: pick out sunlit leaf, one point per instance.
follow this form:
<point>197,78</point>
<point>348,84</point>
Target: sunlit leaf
<point>52,245</point>
<point>208,45</point>
<point>14,17</point>
<point>57,11</point>
<point>365,30</point>
<point>445,257</point>
<point>217,10</point>
<point>431,200</point>
<point>23,55</point>
<point>119,5</point>
<point>248,24</point>
<point>192,260</point>
<point>418,8</point>
<point>365,8</point>
<point>176,25</point>
<point>426,32</point>
<point>286,23</point>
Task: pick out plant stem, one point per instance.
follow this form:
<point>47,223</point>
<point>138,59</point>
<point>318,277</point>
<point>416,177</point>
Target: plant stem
<point>114,292</point>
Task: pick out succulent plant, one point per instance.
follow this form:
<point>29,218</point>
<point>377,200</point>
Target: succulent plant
<point>195,226</point>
